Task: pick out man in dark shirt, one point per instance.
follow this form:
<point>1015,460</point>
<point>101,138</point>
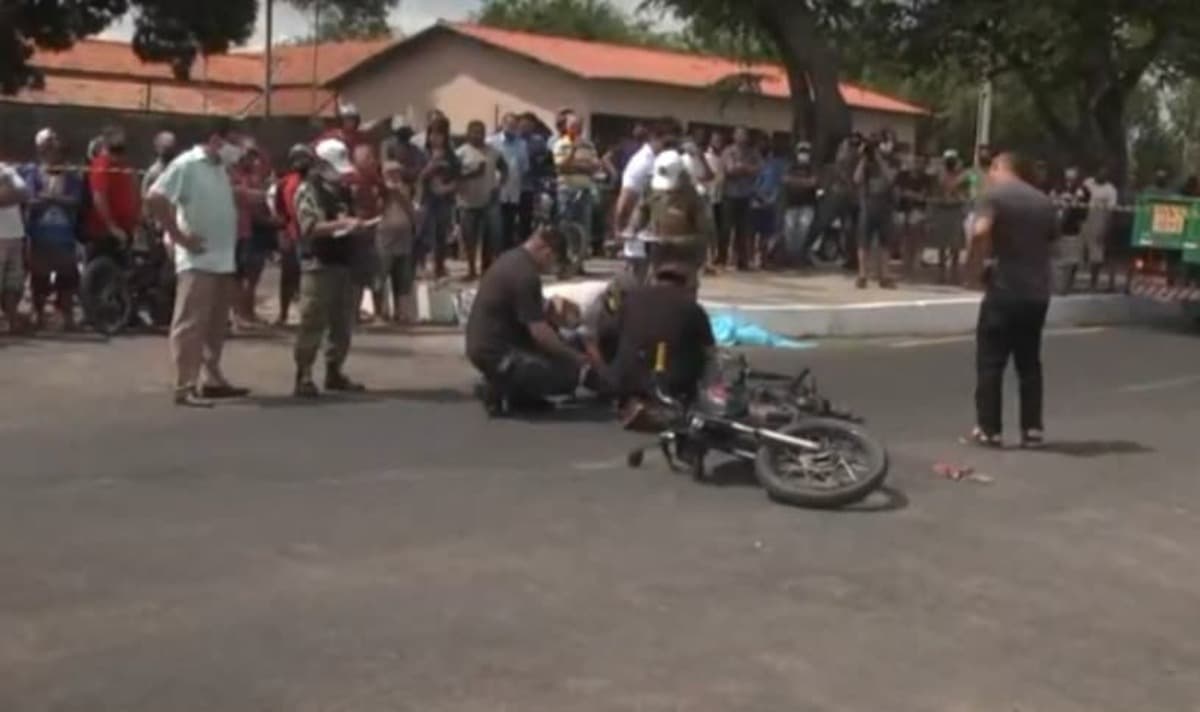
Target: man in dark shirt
<point>510,339</point>
<point>663,314</point>
<point>1010,250</point>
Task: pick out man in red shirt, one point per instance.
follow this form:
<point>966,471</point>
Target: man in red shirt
<point>115,200</point>
<point>300,160</point>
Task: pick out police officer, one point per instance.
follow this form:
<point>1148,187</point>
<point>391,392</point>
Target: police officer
<point>328,292</point>
<point>673,216</point>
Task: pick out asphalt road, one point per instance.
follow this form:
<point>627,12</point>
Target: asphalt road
<point>401,552</point>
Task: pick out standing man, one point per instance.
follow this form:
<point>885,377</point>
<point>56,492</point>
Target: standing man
<point>1009,254</point>
<point>635,180</point>
<point>512,147</point>
<point>576,162</point>
<point>716,194</point>
<point>13,194</point>
<point>876,181</point>
<point>946,213</point>
<point>165,150</point>
<point>300,160</point>
<point>1072,199</point>
<point>400,148</point>
<point>328,292</point>
<point>914,185</point>
<point>55,196</point>
<point>115,197</point>
<point>540,172</point>
<point>193,201</point>
<point>1104,199</point>
<point>483,170</point>
<point>742,163</point>
<point>800,186</point>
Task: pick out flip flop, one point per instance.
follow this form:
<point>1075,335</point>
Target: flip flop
<point>978,438</point>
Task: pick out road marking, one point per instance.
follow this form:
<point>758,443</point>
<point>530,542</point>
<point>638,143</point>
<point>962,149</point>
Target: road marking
<point>1161,385</point>
<point>964,338</point>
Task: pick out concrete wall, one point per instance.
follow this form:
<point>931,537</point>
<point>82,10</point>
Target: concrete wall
<point>468,80</point>
<point>709,107</point>
<point>465,80</point>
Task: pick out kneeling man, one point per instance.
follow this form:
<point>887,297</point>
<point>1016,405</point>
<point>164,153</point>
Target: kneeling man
<point>510,338</point>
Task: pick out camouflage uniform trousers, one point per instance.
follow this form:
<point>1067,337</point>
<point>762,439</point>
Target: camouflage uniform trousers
<point>328,311</point>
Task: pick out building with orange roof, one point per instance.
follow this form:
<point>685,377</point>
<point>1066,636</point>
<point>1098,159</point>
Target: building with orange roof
<point>475,72</point>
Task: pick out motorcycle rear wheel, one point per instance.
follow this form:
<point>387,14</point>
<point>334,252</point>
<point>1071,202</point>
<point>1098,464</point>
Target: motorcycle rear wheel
<point>852,464</point>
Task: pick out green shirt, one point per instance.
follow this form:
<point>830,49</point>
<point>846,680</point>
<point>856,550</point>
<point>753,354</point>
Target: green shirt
<point>204,206</point>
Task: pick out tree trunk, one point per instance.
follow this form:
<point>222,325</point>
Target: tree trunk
<point>812,70</point>
<point>1109,116</point>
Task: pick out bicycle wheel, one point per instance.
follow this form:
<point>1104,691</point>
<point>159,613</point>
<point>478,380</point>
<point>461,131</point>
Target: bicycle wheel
<point>105,296</point>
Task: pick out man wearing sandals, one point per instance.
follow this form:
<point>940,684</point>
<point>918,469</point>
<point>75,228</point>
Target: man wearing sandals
<point>1012,234</point>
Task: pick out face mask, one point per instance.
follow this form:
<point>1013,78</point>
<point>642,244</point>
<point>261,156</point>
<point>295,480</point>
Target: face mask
<point>230,153</point>
<point>803,159</point>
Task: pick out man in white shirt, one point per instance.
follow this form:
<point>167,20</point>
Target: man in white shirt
<point>509,142</point>
<point>193,201</point>
<point>484,170</point>
<point>1096,226</point>
<point>635,182</point>
<point>13,193</point>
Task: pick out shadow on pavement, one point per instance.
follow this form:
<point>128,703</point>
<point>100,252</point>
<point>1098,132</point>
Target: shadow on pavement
<point>739,473</point>
<point>1095,448</point>
<point>582,412</point>
<point>434,395</point>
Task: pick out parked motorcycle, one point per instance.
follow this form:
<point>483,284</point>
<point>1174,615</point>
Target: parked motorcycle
<point>805,452</point>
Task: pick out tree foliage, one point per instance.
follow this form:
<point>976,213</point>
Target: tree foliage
<point>1079,62</point>
<point>348,19</point>
<point>169,31</point>
<point>596,20</point>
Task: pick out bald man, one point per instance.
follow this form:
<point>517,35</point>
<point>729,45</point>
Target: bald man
<point>1012,235</point>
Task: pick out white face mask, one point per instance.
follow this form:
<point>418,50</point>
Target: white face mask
<point>231,153</point>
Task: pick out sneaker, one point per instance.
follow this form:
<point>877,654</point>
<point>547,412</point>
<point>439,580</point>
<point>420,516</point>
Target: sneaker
<point>188,398</point>
<point>337,381</point>
<point>1033,439</point>
<point>978,438</point>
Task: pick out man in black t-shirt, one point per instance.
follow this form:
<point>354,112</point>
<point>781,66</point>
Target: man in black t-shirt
<point>663,312</point>
<point>1012,239</point>
<point>510,338</point>
<point>1073,200</point>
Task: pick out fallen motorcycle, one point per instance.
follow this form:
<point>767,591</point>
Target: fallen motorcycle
<point>805,452</point>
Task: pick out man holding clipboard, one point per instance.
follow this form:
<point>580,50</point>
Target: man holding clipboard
<point>328,291</point>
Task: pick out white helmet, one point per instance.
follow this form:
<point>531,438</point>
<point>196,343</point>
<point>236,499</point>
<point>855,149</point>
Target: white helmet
<point>668,170</point>
<point>335,153</point>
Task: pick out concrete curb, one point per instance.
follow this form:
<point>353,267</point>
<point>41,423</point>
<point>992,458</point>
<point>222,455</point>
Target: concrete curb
<point>937,317</point>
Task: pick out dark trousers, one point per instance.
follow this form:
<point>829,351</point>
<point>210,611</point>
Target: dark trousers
<point>289,276</point>
<point>528,375</point>
<point>1008,327</point>
<point>722,229</point>
<point>739,222</point>
<point>510,226</point>
<point>525,215</point>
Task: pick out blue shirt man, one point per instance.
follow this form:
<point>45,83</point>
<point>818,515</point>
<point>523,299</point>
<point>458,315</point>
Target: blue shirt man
<point>515,151</point>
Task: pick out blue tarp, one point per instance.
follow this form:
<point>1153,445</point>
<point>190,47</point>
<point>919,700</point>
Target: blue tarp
<point>734,329</point>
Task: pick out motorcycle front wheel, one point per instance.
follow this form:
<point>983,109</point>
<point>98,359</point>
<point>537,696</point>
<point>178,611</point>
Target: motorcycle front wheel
<point>850,464</point>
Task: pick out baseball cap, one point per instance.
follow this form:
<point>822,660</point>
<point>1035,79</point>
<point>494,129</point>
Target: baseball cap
<point>44,137</point>
<point>335,153</point>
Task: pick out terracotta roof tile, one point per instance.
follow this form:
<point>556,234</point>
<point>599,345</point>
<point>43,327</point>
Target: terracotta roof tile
<point>133,95</point>
<point>118,58</point>
<point>294,63</point>
<point>601,60</point>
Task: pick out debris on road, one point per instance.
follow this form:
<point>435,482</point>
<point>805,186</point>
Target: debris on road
<point>960,473</point>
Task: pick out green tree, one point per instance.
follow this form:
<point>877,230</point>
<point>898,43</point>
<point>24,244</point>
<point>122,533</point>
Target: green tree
<point>166,31</point>
<point>348,19</point>
<point>1079,63</point>
<point>803,36</point>
<point>597,20</point>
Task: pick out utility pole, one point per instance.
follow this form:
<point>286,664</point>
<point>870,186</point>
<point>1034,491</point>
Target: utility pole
<point>270,60</point>
<point>316,49</point>
<point>983,124</point>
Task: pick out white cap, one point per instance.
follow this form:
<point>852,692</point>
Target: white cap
<point>335,153</point>
<point>668,168</point>
<point>44,137</point>
<point>347,108</point>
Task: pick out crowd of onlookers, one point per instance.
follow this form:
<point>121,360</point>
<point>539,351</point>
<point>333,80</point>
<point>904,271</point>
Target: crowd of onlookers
<point>438,194</point>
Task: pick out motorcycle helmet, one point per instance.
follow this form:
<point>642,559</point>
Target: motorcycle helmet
<point>668,170</point>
